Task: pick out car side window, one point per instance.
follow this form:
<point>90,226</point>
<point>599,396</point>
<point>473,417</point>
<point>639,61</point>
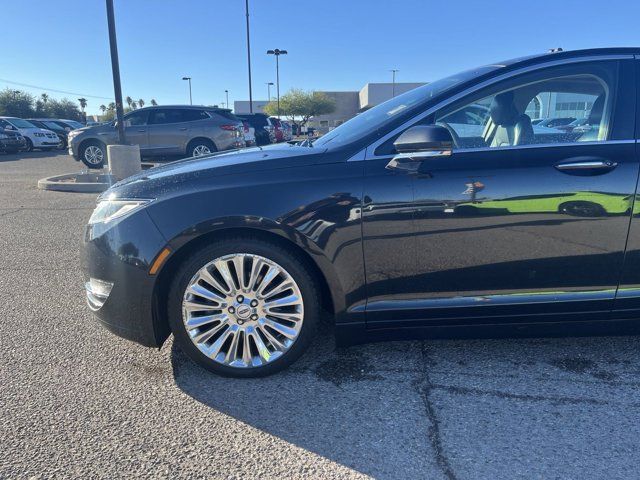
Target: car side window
<point>529,110</point>
<point>166,115</point>
<point>135,119</point>
<point>194,115</point>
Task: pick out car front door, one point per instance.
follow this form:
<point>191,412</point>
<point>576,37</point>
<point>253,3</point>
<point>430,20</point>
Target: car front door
<point>136,130</point>
<point>168,131</point>
<point>517,216</point>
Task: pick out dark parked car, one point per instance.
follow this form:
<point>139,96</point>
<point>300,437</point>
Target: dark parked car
<point>265,130</point>
<point>162,131</point>
<point>11,141</point>
<point>395,222</point>
<point>55,127</point>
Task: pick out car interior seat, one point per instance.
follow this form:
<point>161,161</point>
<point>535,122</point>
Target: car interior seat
<point>507,127</point>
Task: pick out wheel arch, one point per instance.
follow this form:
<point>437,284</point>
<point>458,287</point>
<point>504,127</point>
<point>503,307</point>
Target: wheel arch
<point>332,297</point>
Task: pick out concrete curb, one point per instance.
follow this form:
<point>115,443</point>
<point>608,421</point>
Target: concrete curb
<point>78,182</point>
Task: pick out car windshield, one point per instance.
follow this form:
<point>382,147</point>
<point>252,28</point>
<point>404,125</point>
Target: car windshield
<point>20,123</point>
<point>386,112</point>
<point>52,125</point>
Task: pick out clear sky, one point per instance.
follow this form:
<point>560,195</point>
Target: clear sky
<point>332,44</point>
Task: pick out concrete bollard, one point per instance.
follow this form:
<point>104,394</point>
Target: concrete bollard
<point>124,160</point>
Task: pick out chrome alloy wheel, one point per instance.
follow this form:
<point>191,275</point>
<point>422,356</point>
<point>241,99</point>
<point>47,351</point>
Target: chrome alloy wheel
<point>242,310</point>
<point>201,150</point>
<point>93,155</point>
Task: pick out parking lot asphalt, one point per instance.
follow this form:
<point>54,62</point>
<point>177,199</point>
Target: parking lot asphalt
<point>76,401</point>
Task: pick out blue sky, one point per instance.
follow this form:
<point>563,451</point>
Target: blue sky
<point>332,44</point>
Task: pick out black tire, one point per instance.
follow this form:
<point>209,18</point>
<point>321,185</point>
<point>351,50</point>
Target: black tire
<point>86,156</point>
<point>28,147</point>
<point>296,267</point>
<point>198,144</point>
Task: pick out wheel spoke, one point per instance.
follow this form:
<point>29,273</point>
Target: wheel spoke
<point>266,280</point>
<point>197,322</point>
<point>223,268</point>
<point>278,327</point>
<point>199,290</point>
<point>283,302</point>
<point>273,340</point>
<point>283,287</point>
<point>191,307</point>
<point>211,280</point>
<point>238,263</point>
<point>214,350</point>
<point>206,336</point>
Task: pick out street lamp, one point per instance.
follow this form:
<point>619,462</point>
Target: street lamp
<point>269,84</point>
<point>189,79</point>
<point>277,52</point>
<point>227,92</point>
<point>393,84</point>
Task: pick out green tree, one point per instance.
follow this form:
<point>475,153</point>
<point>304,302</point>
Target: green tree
<point>83,103</point>
<point>103,108</point>
<point>44,97</point>
<point>129,101</point>
<point>153,102</point>
<point>133,105</point>
<point>15,103</point>
<point>64,108</point>
<point>299,106</point>
<point>141,103</point>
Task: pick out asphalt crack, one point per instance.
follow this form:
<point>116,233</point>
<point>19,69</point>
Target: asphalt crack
<point>425,389</point>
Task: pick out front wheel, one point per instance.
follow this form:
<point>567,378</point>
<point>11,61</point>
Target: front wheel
<point>243,308</point>
<point>28,147</point>
<point>93,154</point>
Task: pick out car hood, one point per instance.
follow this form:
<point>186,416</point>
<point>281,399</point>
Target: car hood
<point>191,173</point>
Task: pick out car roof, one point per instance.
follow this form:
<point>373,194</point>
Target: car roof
<point>546,56</point>
<point>189,107</point>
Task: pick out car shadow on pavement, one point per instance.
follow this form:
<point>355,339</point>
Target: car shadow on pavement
<point>350,406</point>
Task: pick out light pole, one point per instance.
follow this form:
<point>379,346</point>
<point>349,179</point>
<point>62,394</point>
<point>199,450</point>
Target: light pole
<point>246,9</point>
<point>269,84</point>
<point>227,93</point>
<point>393,82</point>
<point>277,52</point>
<point>190,100</point>
<point>115,68</point>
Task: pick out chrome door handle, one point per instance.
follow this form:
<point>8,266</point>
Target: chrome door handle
<point>183,128</point>
<point>141,131</point>
<point>586,166</point>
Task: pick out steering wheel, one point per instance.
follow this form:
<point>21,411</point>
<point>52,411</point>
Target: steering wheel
<point>454,134</point>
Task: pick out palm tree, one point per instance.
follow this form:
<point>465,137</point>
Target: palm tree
<point>103,108</point>
<point>129,101</point>
<point>133,105</point>
<point>153,102</point>
<point>111,106</point>
<point>141,103</point>
<point>44,98</point>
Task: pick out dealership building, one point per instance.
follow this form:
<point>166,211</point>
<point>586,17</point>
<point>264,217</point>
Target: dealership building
<point>348,103</point>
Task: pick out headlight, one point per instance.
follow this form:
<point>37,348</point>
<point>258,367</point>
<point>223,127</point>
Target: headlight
<point>108,210</point>
<point>73,133</point>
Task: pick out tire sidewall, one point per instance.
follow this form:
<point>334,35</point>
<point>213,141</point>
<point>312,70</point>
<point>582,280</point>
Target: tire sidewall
<point>293,265</point>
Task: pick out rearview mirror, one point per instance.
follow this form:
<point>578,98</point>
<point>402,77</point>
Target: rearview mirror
<point>420,143</point>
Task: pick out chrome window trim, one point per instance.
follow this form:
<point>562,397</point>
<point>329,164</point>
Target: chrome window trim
<point>368,152</point>
<point>525,147</point>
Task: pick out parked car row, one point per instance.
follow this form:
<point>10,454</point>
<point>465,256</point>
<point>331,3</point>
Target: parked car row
<point>177,130</point>
<point>29,135</point>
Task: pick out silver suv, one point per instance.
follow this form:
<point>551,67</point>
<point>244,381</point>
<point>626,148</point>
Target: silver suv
<point>162,131</point>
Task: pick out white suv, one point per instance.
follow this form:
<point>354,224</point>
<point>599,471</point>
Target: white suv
<point>34,136</point>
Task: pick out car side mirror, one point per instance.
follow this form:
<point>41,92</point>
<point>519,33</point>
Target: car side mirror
<point>419,143</point>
